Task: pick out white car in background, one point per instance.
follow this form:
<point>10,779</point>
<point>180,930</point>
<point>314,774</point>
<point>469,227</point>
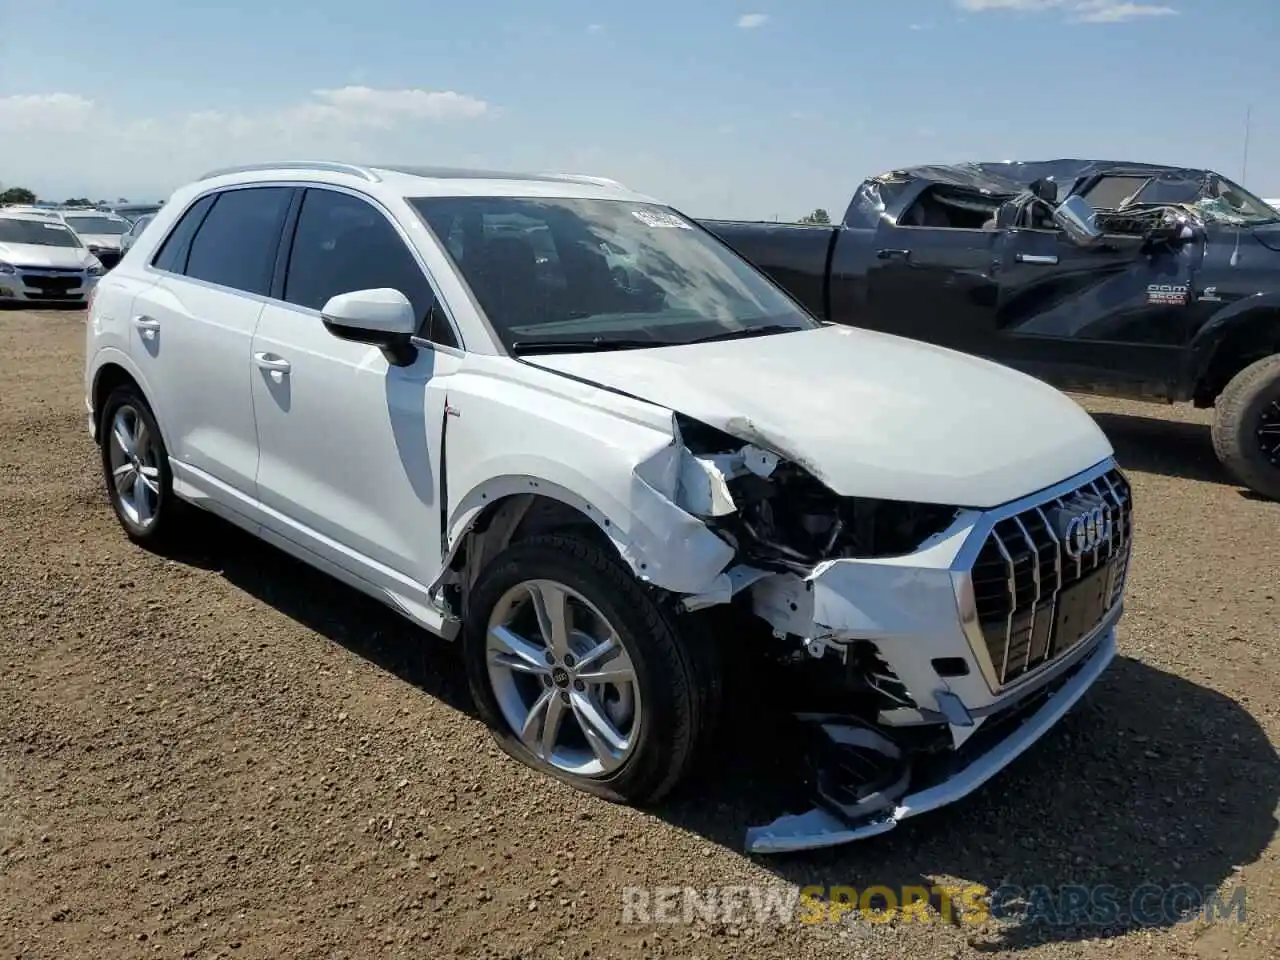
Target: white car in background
<point>135,231</point>
<point>100,231</point>
<point>43,261</point>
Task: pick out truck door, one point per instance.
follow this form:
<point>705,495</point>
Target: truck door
<point>931,280</point>
<point>1112,318</point>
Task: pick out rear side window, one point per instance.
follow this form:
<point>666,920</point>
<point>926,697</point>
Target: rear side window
<point>172,255</point>
<point>342,244</point>
<point>236,244</point>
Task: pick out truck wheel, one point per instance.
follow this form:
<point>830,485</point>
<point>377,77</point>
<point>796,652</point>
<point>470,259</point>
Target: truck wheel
<point>135,467</point>
<point>580,671</point>
<point>1246,427</point>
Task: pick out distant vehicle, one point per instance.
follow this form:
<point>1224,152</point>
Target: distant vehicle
<point>135,231</point>
<point>1151,282</point>
<point>100,231</point>
<point>44,213</point>
<point>43,261</point>
<point>435,386</point>
<point>133,211</point>
<point>1274,202</point>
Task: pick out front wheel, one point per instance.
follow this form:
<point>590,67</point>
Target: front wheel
<point>582,673</point>
<point>1246,427</point>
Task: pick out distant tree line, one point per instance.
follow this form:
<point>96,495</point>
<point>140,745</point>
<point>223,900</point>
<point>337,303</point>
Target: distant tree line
<point>21,195</point>
<point>819,215</point>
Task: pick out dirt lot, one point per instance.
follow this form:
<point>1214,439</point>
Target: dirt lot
<point>221,753</point>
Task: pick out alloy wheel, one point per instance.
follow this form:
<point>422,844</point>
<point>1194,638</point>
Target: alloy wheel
<point>563,678</point>
<point>134,462</point>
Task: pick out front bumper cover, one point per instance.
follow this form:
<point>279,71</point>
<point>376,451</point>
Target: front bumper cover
<point>824,827</point>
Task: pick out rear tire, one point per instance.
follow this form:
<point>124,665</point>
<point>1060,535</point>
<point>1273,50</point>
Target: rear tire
<point>665,709</point>
<point>135,467</point>
<point>1246,427</point>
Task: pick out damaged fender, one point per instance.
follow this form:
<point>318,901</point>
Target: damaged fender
<point>620,471</point>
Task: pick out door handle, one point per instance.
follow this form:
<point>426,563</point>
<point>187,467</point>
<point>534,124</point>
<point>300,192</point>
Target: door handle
<point>1049,259</point>
<point>272,363</point>
<point>148,325</point>
<point>893,254</point>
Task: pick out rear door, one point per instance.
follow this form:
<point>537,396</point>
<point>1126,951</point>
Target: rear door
<point>192,331</point>
<point>932,281</point>
<point>350,444</point>
<point>1109,318</point>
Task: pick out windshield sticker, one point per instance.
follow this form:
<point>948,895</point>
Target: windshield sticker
<point>656,218</point>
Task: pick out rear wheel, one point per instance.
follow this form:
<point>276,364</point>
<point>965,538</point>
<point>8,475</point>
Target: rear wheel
<point>135,466</point>
<point>1246,427</point>
<point>581,672</point>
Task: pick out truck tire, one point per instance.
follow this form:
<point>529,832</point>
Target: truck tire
<point>1246,427</point>
<point>631,703</point>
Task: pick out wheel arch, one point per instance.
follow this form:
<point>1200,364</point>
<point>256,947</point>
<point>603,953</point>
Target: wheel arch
<point>1239,336</point>
<point>661,544</point>
<point>112,371</point>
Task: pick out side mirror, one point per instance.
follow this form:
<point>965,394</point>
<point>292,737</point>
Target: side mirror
<point>383,317</point>
<point>1078,221</point>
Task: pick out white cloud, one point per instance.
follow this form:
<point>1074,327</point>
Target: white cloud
<point>1085,11</point>
<point>594,27</point>
<point>1108,11</point>
<point>749,21</point>
<point>48,136</point>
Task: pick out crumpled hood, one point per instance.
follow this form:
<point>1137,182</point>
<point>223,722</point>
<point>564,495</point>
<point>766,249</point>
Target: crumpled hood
<point>867,413</point>
<point>39,255</point>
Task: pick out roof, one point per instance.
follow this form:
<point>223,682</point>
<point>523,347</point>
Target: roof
<point>35,215</point>
<point>408,180</point>
<point>1007,177</point>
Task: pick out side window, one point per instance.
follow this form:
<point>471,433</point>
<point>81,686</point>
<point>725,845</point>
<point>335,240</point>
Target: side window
<point>236,244</point>
<point>951,209</point>
<point>343,243</point>
<point>172,255</point>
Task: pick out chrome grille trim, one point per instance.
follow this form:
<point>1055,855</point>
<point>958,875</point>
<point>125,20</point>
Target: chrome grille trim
<point>1014,567</point>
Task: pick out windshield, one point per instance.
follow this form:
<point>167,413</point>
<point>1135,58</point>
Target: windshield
<point>98,225</point>
<point>1213,197</point>
<point>601,272</point>
<point>37,232</point>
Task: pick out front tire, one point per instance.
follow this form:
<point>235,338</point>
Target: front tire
<point>1246,427</point>
<point>581,672</point>
<point>135,466</point>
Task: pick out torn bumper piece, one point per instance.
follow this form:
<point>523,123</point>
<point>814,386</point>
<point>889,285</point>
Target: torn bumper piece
<point>824,826</point>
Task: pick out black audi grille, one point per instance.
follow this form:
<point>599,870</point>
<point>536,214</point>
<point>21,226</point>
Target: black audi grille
<point>1034,600</point>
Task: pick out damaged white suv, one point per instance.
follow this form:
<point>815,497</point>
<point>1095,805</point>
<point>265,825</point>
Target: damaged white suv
<point>564,422</point>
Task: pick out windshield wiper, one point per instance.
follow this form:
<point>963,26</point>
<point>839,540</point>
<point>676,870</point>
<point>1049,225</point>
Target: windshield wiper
<point>765,331</point>
<point>584,344</point>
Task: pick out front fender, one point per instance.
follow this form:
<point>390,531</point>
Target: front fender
<point>1207,340</point>
<point>663,544</point>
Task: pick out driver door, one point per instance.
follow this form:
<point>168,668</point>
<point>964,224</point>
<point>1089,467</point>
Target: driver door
<point>350,456</point>
<point>1104,318</point>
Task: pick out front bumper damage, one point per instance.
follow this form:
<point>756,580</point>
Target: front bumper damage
<point>978,642</point>
<point>828,824</point>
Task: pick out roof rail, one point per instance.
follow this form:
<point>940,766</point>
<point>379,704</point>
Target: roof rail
<point>584,178</point>
<point>328,166</point>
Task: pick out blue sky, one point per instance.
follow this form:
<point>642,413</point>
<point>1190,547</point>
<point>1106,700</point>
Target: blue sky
<point>744,109</point>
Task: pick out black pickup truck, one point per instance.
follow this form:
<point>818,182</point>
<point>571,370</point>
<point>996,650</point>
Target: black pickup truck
<point>1136,280</point>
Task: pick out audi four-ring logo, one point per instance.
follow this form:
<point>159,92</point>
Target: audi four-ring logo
<point>1087,531</point>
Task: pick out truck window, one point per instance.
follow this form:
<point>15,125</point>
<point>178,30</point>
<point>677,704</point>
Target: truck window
<point>950,209</point>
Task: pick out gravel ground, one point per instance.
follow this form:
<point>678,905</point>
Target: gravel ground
<point>222,753</point>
